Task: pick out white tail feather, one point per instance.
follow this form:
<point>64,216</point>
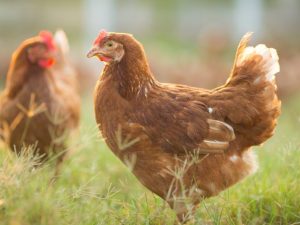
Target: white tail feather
<point>61,40</point>
<point>270,60</point>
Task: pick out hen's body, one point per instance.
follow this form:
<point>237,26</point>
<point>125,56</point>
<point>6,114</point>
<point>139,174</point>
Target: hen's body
<point>53,116</point>
<point>170,134</point>
<point>38,107</point>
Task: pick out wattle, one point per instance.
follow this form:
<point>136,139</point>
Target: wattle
<point>104,58</point>
<point>46,63</point>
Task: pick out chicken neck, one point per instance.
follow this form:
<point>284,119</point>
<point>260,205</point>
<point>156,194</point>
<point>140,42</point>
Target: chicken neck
<point>132,75</point>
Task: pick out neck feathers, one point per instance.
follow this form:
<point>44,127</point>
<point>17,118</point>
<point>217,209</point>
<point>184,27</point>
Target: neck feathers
<point>132,73</point>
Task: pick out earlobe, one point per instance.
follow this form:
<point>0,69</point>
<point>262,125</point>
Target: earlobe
<point>119,55</point>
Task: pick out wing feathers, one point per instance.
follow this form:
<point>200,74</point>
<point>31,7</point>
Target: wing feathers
<point>219,136</point>
<point>219,130</point>
<point>209,146</point>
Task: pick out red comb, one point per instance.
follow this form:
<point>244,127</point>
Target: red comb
<point>47,39</point>
<point>102,34</point>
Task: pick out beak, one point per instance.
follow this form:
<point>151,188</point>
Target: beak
<point>94,51</point>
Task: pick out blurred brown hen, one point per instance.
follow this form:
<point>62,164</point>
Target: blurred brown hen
<point>184,143</point>
<point>40,104</point>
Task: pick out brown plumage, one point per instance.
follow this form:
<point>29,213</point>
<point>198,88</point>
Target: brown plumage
<point>184,143</point>
<point>40,104</point>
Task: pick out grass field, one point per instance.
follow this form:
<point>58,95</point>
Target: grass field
<point>96,188</point>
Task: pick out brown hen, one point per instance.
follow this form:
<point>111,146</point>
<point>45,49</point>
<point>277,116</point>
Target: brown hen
<point>40,104</point>
<point>184,143</point>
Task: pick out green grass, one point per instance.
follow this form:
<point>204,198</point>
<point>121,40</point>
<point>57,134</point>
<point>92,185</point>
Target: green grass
<point>96,188</point>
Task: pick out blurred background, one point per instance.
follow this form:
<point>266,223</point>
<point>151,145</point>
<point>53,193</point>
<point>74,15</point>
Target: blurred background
<point>191,42</point>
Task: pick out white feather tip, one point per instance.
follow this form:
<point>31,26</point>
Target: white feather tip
<point>61,40</point>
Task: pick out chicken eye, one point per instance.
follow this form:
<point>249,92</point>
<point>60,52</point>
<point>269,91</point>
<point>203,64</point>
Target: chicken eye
<point>109,44</point>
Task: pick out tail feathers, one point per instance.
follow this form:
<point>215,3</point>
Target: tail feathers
<point>242,45</point>
<point>269,64</point>
<point>61,40</point>
<point>253,79</point>
<point>260,61</point>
